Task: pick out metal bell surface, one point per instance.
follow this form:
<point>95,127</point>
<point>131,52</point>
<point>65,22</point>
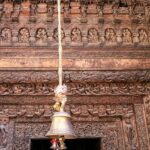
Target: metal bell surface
<point>61,126</point>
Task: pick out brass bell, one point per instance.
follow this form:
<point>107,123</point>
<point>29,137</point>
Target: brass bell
<point>61,126</point>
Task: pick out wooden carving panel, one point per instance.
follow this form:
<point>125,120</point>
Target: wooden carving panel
<point>117,125</point>
<point>6,132</point>
<point>82,112</point>
<point>141,126</point>
<point>30,15</point>
<point>80,89</point>
<point>109,132</point>
<point>147,113</point>
<point>105,104</point>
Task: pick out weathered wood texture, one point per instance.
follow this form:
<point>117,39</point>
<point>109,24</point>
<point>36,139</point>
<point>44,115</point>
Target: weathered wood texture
<point>106,61</point>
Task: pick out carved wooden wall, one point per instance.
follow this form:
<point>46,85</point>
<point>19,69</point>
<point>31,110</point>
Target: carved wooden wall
<point>114,113</point>
<point>34,23</point>
<point>121,126</point>
<point>106,68</point>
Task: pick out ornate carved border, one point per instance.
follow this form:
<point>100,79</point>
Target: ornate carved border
<point>119,126</point>
<point>51,76</point>
<point>109,132</point>
<point>76,89</point>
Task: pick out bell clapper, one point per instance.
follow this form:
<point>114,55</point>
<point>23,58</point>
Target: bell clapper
<point>55,145</point>
<point>62,143</point>
<point>58,144</point>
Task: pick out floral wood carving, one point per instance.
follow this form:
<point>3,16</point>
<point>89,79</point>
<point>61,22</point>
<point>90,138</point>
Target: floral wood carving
<point>75,76</point>
<point>77,89</point>
<point>92,112</point>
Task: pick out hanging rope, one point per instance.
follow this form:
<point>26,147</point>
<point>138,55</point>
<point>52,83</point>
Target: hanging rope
<point>59,43</point>
<point>61,90</point>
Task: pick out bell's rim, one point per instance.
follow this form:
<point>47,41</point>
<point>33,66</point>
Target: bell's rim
<point>59,136</point>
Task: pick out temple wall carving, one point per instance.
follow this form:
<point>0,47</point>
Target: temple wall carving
<point>42,37</point>
<point>146,106</point>
<point>103,104</point>
<point>36,24</point>
<point>83,89</point>
<point>6,132</point>
<point>119,126</point>
<point>93,83</point>
<point>106,61</point>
